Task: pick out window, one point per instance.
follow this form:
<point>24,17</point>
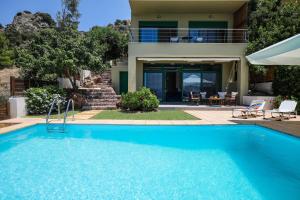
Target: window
<point>191,83</point>
<point>153,81</point>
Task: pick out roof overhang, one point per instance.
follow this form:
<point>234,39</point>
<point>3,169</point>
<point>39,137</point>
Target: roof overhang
<point>286,52</point>
<point>188,60</point>
<point>139,7</point>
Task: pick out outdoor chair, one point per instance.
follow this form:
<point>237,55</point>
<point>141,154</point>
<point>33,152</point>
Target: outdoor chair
<point>203,97</point>
<point>222,96</point>
<point>174,39</point>
<point>194,98</point>
<point>287,107</point>
<point>256,107</point>
<point>232,98</point>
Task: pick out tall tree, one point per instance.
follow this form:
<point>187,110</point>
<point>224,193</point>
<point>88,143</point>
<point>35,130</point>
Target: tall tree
<point>53,53</point>
<point>271,21</point>
<point>6,53</point>
<point>69,15</point>
<point>112,43</point>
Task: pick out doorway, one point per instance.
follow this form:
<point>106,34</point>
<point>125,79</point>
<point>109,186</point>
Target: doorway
<point>172,86</point>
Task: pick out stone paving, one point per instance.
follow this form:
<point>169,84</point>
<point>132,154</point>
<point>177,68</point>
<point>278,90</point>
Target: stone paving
<point>291,126</point>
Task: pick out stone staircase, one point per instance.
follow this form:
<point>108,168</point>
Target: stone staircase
<point>99,94</point>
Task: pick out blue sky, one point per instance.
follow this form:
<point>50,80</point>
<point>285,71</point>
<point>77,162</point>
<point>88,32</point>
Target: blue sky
<point>93,12</point>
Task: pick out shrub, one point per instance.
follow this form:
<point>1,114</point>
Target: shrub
<point>38,100</point>
<point>141,100</point>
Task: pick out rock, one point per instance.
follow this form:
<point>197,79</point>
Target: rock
<point>26,23</point>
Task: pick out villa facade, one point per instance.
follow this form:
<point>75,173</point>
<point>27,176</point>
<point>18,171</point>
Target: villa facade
<point>182,46</point>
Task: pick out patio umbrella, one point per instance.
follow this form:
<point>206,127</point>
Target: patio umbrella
<point>195,79</point>
<point>286,52</point>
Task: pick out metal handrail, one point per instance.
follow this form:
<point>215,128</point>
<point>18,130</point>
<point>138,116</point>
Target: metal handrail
<point>188,35</point>
<point>67,110</point>
<point>55,101</point>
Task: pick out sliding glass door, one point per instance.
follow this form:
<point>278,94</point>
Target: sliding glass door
<point>191,83</point>
<point>199,82</point>
<point>209,83</point>
<point>154,81</point>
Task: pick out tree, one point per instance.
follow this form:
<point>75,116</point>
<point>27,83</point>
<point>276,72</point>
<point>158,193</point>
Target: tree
<point>69,15</point>
<point>271,21</point>
<point>109,41</point>
<point>52,53</point>
<point>6,54</point>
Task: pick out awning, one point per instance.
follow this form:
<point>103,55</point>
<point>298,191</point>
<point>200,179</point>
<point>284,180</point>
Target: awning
<point>286,52</point>
<point>189,60</point>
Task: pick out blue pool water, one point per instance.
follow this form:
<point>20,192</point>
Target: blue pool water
<point>150,162</point>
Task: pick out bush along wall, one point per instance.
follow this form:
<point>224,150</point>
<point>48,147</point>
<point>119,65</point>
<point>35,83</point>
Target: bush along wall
<point>38,100</point>
<point>286,84</point>
<point>141,100</point>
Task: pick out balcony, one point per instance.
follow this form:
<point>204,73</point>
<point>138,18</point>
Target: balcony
<point>188,35</point>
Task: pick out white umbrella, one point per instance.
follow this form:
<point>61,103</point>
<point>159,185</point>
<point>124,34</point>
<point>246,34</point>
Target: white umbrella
<point>286,52</point>
<point>195,79</point>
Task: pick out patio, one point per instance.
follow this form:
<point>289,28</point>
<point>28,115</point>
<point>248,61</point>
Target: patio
<point>206,117</point>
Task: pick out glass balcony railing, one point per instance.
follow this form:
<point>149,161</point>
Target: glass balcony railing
<point>186,35</point>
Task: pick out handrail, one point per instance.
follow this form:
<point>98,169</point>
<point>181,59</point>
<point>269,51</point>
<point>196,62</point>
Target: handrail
<point>67,110</point>
<point>55,101</point>
<point>188,35</point>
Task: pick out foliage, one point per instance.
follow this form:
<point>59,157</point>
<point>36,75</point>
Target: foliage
<point>141,100</point>
<point>38,100</point>
<point>111,42</point>
<point>69,15</point>
<point>271,21</point>
<point>52,53</point>
<point>6,53</point>
<point>286,82</point>
<point>46,18</point>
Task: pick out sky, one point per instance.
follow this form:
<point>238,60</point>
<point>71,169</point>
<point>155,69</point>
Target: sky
<point>93,12</point>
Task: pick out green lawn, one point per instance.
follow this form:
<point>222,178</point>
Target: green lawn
<point>159,115</point>
<point>54,115</point>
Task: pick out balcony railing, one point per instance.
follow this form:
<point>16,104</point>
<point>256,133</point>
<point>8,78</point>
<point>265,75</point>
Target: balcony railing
<point>188,35</point>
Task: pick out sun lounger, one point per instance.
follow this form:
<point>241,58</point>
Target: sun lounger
<point>287,107</point>
<point>256,107</point>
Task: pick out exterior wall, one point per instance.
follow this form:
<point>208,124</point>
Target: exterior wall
<point>182,19</point>
<point>115,75</point>
<point>190,50</point>
<point>226,68</point>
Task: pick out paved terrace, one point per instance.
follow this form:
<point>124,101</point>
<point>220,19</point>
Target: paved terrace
<point>211,117</point>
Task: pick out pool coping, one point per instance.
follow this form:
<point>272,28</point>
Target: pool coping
<point>149,122</point>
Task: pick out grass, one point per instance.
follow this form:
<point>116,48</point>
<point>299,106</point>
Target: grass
<point>159,115</point>
<point>53,116</point>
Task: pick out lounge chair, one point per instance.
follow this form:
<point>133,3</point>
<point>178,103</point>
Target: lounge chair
<point>287,107</point>
<point>256,107</point>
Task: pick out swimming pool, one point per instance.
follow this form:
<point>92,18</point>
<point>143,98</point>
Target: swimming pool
<point>150,162</point>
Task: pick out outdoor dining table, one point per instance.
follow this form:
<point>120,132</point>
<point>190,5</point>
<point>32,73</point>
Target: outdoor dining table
<point>215,101</point>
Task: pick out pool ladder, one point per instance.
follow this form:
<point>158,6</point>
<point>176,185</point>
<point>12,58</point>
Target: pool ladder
<point>59,127</point>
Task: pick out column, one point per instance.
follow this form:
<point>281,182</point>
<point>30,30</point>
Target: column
<point>131,74</point>
<point>243,78</point>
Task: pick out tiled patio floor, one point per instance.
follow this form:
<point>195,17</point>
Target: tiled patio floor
<point>217,117</point>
